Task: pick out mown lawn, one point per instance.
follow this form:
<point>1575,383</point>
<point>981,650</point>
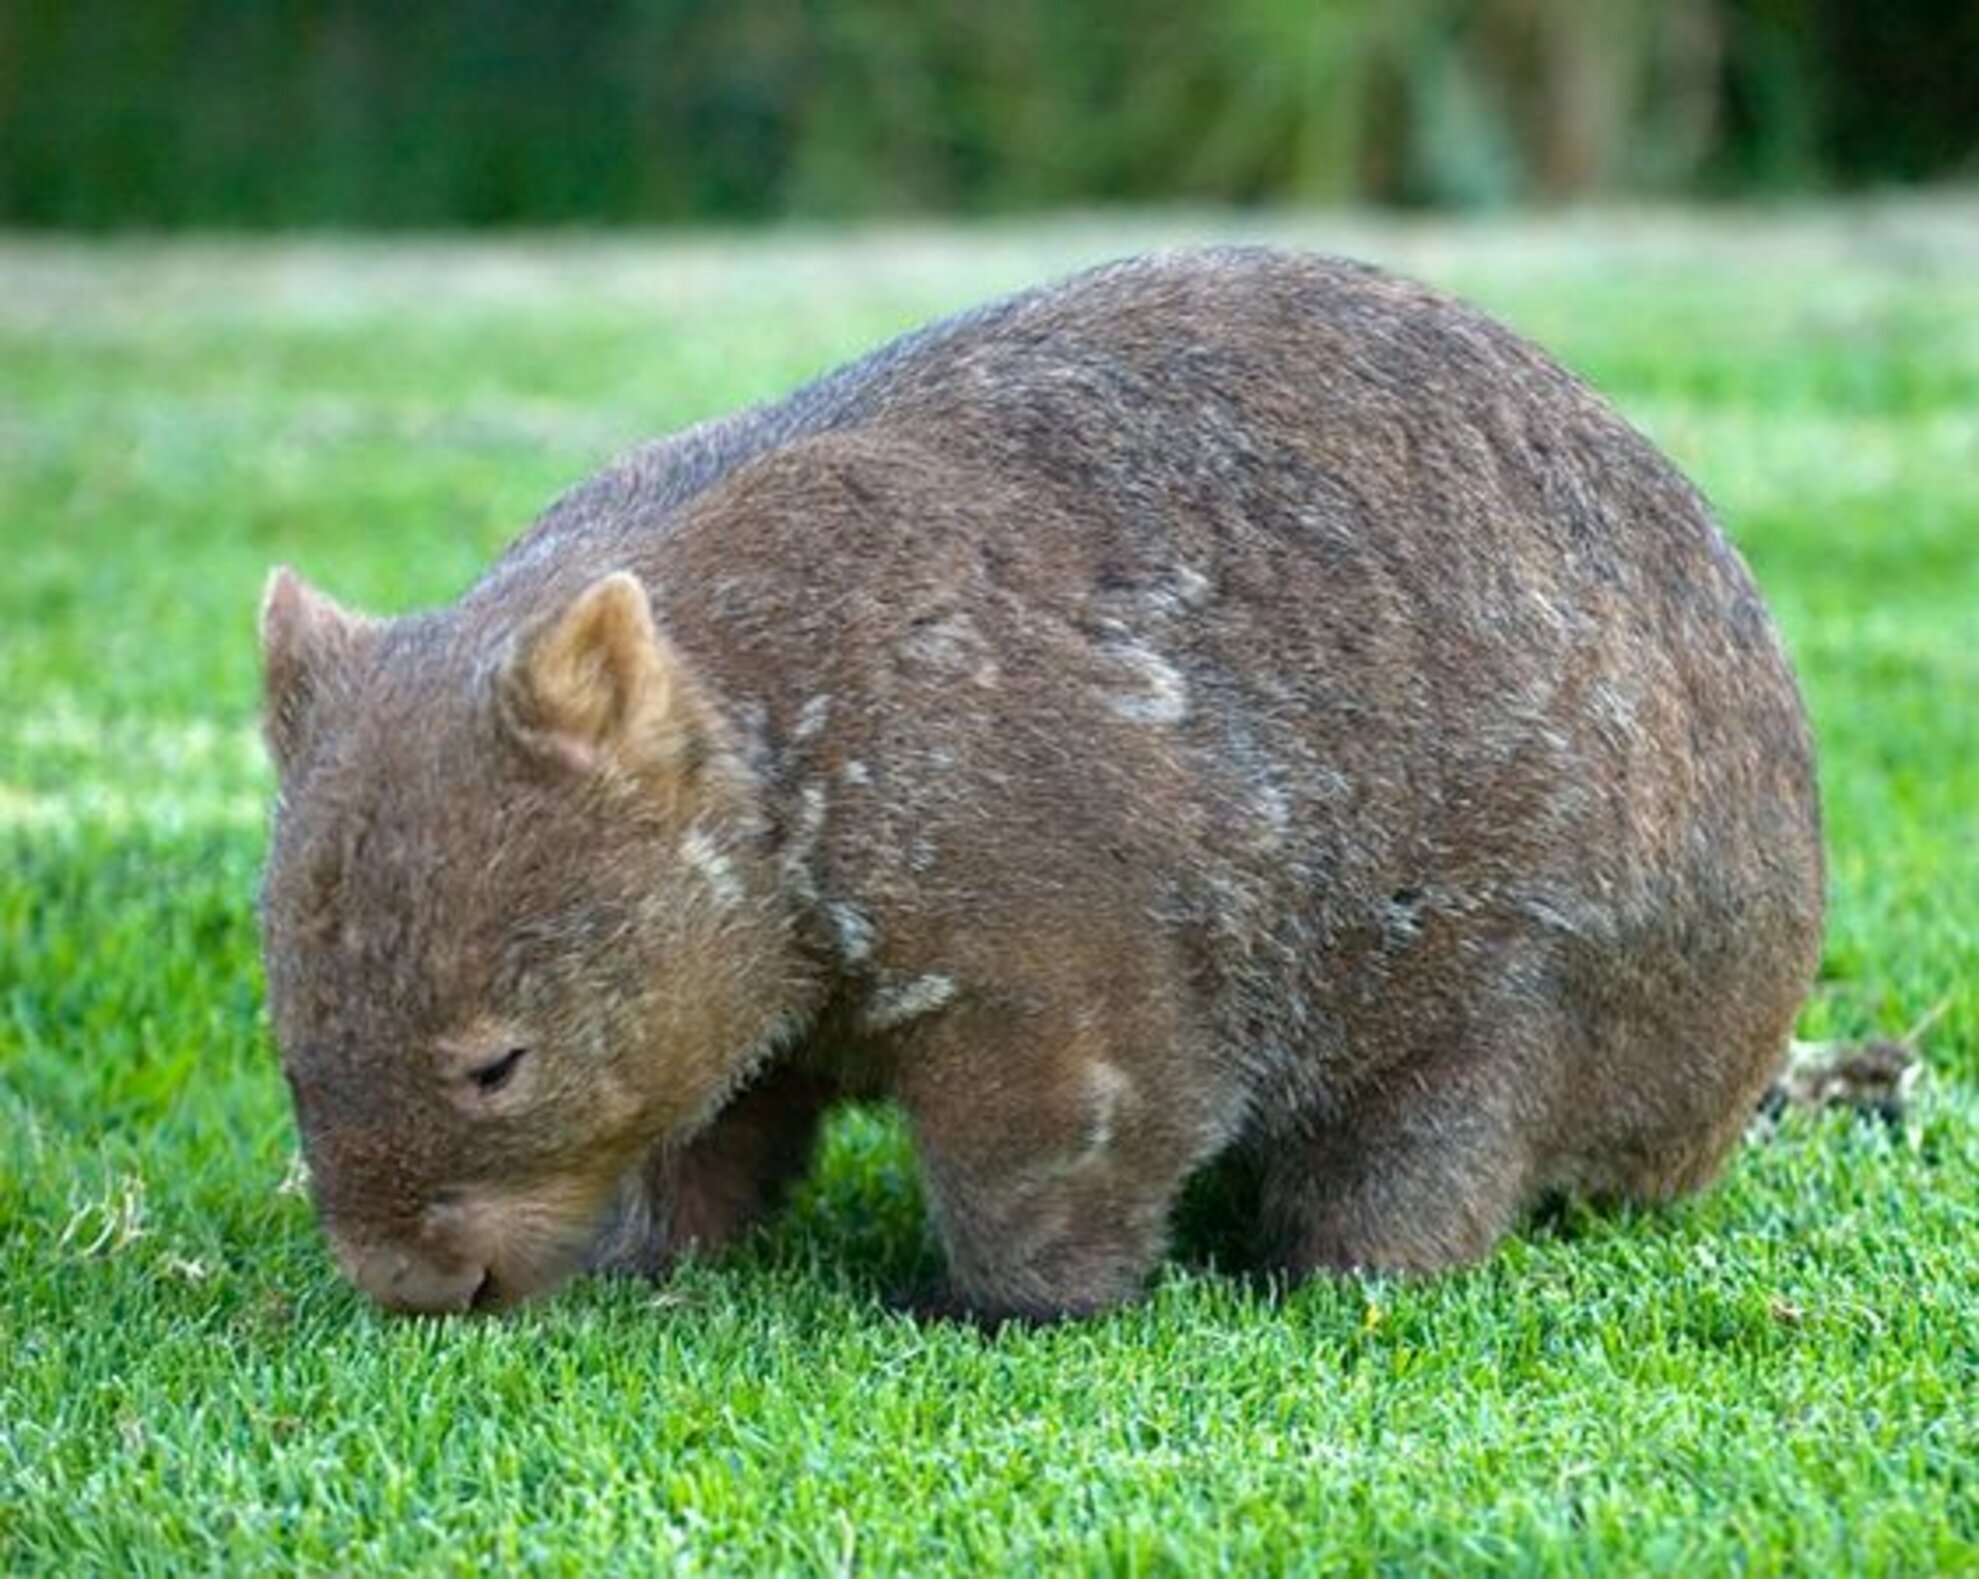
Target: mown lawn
<point>1779,1377</point>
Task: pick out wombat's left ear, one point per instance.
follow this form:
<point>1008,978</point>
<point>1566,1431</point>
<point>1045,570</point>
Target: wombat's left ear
<point>304,637</point>
<point>596,685</point>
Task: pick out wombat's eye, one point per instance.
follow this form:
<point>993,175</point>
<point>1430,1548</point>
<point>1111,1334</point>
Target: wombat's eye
<point>492,1076</point>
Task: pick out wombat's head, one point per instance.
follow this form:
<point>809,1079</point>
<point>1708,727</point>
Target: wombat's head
<point>519,927</point>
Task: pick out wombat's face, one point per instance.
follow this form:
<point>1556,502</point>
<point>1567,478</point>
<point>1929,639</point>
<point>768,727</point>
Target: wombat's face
<point>513,927</point>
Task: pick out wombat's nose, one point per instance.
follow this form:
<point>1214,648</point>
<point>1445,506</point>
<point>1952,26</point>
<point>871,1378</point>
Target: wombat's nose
<point>401,1279</point>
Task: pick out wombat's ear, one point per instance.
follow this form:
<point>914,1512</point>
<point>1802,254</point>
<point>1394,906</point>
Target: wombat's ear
<point>596,684</point>
<point>304,637</point>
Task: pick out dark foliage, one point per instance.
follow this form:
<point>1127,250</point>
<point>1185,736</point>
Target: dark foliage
<point>482,112</point>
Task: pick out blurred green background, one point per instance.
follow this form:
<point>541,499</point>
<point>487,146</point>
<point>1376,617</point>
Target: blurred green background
<point>273,113</point>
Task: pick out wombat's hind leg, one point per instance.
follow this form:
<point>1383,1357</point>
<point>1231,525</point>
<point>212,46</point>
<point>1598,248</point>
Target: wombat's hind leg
<point>1426,1169</point>
<point>724,1182</point>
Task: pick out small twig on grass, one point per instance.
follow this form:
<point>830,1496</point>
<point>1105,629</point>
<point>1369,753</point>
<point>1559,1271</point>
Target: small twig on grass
<point>1876,1076</point>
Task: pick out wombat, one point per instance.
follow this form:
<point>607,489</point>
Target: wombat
<point>1224,704</point>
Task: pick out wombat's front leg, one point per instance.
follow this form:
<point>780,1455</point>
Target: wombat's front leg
<point>1052,1160</point>
<point>710,1192</point>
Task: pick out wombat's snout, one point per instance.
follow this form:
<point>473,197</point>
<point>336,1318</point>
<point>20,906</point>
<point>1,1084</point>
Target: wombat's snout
<point>465,1248</point>
<point>417,1281</point>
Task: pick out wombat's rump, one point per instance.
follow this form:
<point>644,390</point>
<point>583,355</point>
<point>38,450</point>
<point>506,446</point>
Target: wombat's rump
<point>1227,701</point>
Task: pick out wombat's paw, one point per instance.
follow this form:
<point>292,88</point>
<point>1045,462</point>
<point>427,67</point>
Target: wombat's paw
<point>942,1305</point>
<point>649,1264</point>
<point>634,1241</point>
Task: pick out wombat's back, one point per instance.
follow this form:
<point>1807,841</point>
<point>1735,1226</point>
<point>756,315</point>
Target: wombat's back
<point>1342,502</point>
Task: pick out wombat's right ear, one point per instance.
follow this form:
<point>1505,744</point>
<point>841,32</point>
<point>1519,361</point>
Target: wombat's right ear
<point>595,685</point>
<point>304,637</point>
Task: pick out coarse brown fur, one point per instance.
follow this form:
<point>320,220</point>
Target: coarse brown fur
<point>1231,703</point>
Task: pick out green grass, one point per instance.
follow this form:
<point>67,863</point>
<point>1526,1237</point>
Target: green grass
<point>1778,1377</point>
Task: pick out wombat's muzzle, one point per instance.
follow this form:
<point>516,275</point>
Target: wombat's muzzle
<point>407,1280</point>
